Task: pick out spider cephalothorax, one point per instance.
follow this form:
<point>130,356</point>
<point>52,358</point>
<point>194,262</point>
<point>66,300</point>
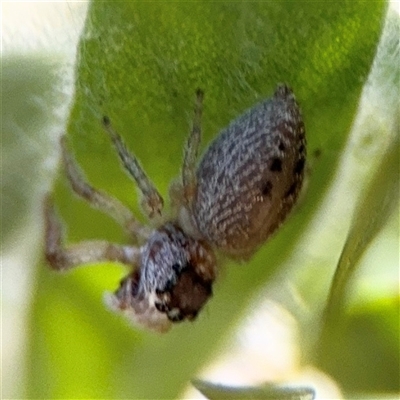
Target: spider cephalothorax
<point>242,190</point>
<point>172,283</point>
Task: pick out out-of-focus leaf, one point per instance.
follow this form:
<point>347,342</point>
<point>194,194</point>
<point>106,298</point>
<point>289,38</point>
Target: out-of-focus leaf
<point>28,96</point>
<point>267,392</point>
<point>361,350</point>
<point>140,63</point>
<point>363,353</point>
<point>375,207</point>
<point>380,396</point>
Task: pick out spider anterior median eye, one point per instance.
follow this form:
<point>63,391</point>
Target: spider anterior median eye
<point>177,268</point>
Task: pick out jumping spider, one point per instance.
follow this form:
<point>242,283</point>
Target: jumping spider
<point>242,190</point>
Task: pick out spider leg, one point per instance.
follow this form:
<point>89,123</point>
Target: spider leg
<point>98,199</point>
<point>191,151</point>
<point>62,258</point>
<point>152,201</point>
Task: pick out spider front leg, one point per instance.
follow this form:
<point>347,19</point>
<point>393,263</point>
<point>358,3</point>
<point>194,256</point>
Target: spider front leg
<point>62,258</point>
<point>98,199</point>
<point>191,152</point>
<point>152,202</point>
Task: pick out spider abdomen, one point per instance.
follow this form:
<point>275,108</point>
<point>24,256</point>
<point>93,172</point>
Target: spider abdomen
<point>250,176</point>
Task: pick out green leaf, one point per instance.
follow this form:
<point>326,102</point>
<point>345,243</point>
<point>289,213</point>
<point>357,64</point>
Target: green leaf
<point>377,204</point>
<point>353,335</point>
<point>348,342</point>
<point>380,197</point>
<point>140,63</point>
<point>362,352</point>
<point>381,396</point>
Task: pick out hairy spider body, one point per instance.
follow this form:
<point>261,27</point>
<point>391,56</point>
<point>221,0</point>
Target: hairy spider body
<point>174,284</point>
<point>250,177</point>
<point>242,190</point>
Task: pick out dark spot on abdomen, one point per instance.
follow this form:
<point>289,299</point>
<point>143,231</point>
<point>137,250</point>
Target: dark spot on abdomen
<point>291,190</point>
<point>298,169</point>
<point>276,165</point>
<point>266,189</point>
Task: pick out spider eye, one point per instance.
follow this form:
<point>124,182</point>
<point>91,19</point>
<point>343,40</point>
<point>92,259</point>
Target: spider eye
<point>129,285</point>
<point>135,277</point>
<point>185,294</point>
<point>176,268</point>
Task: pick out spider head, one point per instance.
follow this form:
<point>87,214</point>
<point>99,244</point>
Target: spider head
<point>173,282</point>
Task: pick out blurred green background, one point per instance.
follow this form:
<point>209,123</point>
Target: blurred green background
<point>140,63</point>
